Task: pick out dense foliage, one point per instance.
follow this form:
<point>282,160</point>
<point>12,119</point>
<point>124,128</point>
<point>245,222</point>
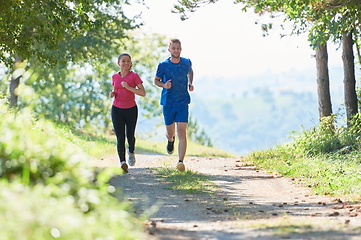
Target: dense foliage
<point>76,93</point>
<point>35,29</point>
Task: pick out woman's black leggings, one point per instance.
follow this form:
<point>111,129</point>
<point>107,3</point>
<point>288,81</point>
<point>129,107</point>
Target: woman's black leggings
<point>124,122</point>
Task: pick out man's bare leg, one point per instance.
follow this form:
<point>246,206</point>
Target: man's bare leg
<point>170,132</point>
<point>182,145</point>
<point>182,136</point>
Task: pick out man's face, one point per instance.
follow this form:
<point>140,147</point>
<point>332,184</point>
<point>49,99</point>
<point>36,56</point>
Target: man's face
<point>175,50</point>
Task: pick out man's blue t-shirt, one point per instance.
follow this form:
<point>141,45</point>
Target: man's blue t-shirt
<point>178,94</point>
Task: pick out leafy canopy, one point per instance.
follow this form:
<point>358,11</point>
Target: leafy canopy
<point>322,19</point>
<point>35,28</point>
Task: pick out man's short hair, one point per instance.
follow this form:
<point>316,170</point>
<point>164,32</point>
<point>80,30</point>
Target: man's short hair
<point>175,40</point>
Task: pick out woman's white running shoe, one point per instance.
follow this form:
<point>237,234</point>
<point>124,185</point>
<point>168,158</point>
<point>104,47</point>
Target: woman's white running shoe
<point>131,159</point>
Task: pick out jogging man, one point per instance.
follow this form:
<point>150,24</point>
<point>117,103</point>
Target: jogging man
<point>175,77</point>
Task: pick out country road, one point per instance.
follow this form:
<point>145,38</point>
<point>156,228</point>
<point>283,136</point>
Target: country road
<point>246,204</point>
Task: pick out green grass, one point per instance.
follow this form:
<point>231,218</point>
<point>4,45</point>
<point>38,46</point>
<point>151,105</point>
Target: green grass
<point>185,182</point>
<point>335,175</point>
<point>316,161</point>
<point>105,145</point>
<point>193,149</point>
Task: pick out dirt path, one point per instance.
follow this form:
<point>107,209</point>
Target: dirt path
<point>247,204</point>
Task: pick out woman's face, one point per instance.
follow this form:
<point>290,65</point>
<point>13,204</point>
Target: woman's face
<point>125,63</point>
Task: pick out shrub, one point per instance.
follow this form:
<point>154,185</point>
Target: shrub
<point>325,138</point>
<point>34,213</point>
<point>49,191</point>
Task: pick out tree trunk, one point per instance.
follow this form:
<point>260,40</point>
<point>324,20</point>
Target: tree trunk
<point>349,76</point>
<point>14,84</point>
<point>323,84</point>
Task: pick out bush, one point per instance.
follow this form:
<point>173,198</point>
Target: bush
<point>326,138</point>
<point>49,191</point>
<point>34,213</point>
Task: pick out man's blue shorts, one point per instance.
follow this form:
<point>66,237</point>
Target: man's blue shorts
<point>175,114</point>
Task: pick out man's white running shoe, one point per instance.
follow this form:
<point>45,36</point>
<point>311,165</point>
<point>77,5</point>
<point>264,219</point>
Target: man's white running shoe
<point>131,159</point>
<point>180,166</point>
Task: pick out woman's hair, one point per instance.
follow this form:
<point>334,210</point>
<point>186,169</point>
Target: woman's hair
<point>123,54</point>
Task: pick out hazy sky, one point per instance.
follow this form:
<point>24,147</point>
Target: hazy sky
<point>221,40</point>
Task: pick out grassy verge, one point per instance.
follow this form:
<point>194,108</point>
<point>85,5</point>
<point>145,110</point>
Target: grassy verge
<point>325,159</point>
<point>100,146</point>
